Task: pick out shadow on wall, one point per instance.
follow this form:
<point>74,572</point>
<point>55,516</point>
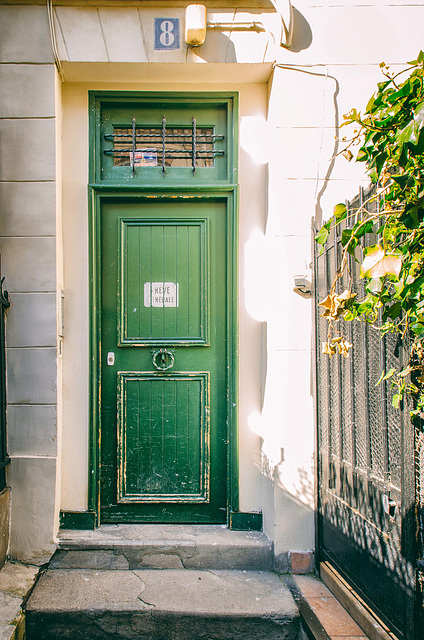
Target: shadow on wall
<point>302,33</point>
<point>296,482</point>
<point>293,514</point>
<point>217,48</point>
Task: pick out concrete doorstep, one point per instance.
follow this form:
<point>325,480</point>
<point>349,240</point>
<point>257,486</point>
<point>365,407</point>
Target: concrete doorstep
<point>169,604</point>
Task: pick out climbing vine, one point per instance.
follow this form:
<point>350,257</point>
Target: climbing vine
<point>389,138</point>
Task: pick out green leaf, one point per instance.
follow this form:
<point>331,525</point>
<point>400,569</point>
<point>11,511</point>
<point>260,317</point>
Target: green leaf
<point>370,104</point>
<point>375,285</point>
<point>420,59</point>
<point>411,131</point>
<point>401,180</point>
<point>367,227</point>
<point>397,397</point>
<point>322,235</point>
<point>346,235</point>
<point>362,156</point>
<point>417,328</point>
<point>340,212</point>
<point>398,287</point>
<point>352,246</point>
<point>385,376</point>
<point>380,379</point>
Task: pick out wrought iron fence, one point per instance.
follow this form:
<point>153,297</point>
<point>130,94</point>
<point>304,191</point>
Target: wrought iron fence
<point>4,458</point>
<point>370,455</point>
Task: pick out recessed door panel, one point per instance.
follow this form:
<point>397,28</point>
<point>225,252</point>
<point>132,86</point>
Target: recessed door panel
<point>164,282</point>
<point>163,437</point>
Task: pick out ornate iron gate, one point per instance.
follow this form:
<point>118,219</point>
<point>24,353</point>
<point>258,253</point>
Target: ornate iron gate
<point>368,461</point>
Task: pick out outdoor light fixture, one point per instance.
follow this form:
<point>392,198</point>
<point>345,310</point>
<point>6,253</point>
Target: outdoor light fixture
<point>195,25</point>
<point>302,286</point>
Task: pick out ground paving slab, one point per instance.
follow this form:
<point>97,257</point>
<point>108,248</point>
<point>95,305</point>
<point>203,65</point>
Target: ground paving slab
<point>16,580</point>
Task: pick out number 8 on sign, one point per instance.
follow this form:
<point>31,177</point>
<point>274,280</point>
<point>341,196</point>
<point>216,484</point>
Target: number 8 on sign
<point>167,38</point>
<point>167,33</point>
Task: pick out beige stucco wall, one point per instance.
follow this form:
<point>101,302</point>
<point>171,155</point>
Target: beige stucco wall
<point>291,103</point>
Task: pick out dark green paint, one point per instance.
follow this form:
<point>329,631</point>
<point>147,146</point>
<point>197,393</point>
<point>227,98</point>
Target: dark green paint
<point>245,521</point>
<point>170,251</point>
<point>111,109</point>
<point>222,194</point>
<point>163,437</point>
<point>150,450</point>
<point>78,520</point>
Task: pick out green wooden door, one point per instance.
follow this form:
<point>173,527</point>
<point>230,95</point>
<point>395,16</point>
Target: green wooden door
<point>163,361</point>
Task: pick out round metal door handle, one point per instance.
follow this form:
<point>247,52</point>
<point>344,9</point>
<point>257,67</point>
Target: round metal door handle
<point>160,358</point>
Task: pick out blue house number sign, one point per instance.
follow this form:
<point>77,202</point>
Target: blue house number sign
<point>167,33</point>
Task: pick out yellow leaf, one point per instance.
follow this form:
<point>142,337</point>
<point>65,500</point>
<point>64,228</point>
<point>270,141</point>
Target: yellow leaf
<point>346,295</point>
<point>327,302</point>
<point>343,347</point>
<point>328,348</point>
<point>335,305</point>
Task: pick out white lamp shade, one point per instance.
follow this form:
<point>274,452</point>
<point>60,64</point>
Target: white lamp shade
<point>195,25</point>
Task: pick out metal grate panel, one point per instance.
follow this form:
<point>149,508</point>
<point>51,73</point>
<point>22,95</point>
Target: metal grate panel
<point>366,483</point>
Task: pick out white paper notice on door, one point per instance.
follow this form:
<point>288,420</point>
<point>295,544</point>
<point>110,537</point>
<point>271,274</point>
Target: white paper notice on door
<point>160,294</point>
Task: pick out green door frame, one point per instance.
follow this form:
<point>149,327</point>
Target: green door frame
<point>101,191</point>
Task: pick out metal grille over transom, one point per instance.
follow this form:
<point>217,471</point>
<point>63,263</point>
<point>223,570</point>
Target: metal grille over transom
<point>172,146</point>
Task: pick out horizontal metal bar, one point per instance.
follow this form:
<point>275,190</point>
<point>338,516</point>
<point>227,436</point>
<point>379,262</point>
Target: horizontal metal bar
<point>122,153</point>
<point>169,136</point>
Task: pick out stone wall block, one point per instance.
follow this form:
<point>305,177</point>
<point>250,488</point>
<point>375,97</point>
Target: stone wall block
<point>31,376</point>
<point>31,430</point>
<point>31,320</point>
<point>27,91</point>
<point>28,149</point>
<point>28,264</point>
<point>24,34</point>
<point>27,209</point>
<point>33,506</point>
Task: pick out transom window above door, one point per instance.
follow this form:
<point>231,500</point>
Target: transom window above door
<point>155,139</point>
<point>164,146</point>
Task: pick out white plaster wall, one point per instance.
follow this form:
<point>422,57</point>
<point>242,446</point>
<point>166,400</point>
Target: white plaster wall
<point>332,67</point>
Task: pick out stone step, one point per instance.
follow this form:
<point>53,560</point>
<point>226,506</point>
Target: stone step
<point>152,546</point>
<point>170,604</point>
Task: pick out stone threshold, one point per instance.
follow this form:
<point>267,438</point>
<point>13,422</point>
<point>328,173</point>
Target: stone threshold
<point>16,583</point>
<point>153,546</point>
